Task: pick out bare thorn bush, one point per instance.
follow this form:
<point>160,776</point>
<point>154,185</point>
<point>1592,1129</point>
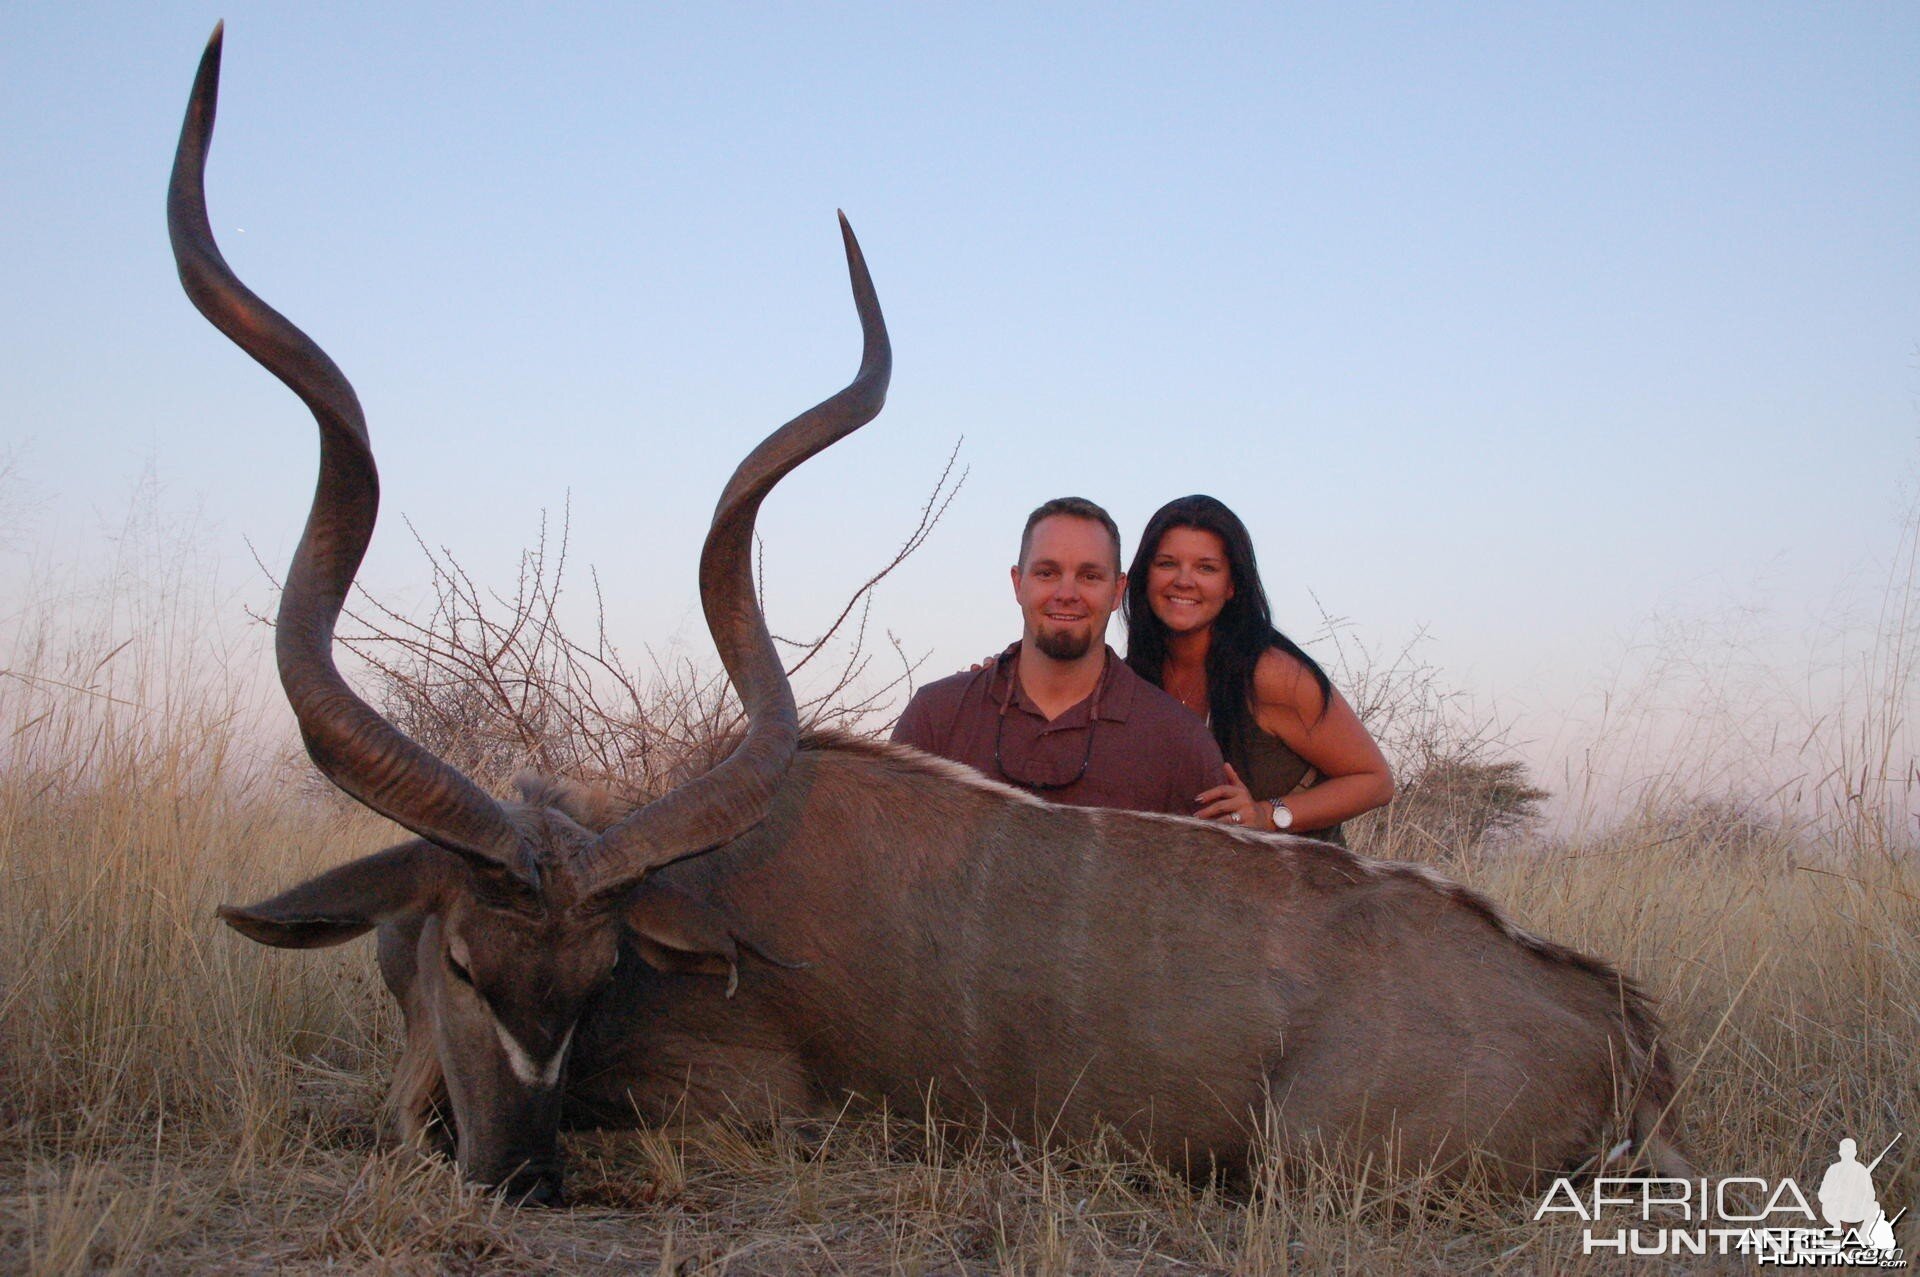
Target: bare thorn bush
<point>498,682</point>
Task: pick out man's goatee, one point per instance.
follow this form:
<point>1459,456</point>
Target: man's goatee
<point>1063,645</point>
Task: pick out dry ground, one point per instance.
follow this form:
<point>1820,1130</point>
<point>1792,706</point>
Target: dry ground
<point>175,1099</point>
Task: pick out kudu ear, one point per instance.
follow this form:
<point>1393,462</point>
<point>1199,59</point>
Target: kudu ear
<point>675,932</point>
<point>345,902</point>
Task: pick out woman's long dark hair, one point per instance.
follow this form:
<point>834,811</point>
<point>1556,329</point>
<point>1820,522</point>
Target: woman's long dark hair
<point>1243,630</point>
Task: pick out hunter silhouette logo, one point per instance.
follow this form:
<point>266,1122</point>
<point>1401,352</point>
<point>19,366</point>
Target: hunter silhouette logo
<point>1848,1204</point>
<point>1773,1222</point>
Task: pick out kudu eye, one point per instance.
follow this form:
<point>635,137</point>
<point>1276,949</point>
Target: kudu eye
<point>459,970</point>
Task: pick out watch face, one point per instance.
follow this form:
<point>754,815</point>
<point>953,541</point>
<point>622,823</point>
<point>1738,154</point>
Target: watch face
<point>1282,815</point>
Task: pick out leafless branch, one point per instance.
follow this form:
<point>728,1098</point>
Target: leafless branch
<point>493,681</point>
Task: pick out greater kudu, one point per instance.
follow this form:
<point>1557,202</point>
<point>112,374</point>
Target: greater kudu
<point>824,917</point>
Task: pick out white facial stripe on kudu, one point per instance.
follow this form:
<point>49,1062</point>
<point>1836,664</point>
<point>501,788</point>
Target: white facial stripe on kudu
<point>522,1063</point>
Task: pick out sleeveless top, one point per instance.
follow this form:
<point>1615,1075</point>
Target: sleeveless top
<point>1271,769</point>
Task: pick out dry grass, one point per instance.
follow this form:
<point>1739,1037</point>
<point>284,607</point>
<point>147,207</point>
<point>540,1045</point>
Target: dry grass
<point>173,1098</point>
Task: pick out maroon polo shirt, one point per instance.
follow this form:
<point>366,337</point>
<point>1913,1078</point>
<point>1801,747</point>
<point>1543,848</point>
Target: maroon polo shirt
<point>1149,753</point>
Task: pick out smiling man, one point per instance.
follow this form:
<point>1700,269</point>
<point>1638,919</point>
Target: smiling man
<point>1058,714</point>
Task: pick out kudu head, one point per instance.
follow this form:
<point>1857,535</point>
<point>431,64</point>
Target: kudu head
<point>515,912</point>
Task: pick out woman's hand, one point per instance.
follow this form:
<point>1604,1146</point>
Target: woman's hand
<point>1234,803</point>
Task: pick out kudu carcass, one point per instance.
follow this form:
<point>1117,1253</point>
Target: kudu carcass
<point>822,917</point>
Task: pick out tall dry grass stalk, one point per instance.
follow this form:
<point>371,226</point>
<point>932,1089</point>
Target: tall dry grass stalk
<point>173,1098</point>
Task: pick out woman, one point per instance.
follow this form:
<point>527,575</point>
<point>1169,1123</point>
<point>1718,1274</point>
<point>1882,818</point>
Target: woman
<point>1198,625</point>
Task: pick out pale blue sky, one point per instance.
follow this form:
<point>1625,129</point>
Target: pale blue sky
<point>1521,323</point>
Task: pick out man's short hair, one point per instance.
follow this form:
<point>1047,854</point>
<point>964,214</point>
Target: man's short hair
<point>1073,507</point>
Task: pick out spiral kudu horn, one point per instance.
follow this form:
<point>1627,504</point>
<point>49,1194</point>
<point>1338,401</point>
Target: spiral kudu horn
<point>732,798</point>
<point>359,750</point>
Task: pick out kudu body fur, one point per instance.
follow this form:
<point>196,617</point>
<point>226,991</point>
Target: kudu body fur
<point>823,918</point>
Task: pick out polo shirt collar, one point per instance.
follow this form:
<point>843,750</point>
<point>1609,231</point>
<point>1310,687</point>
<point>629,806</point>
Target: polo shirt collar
<point>1114,693</point>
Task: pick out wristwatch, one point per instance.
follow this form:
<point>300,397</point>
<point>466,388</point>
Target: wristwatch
<point>1282,814</point>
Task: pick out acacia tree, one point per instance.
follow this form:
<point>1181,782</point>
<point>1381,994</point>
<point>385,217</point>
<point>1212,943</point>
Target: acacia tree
<point>1457,786</point>
<point>1462,802</point>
